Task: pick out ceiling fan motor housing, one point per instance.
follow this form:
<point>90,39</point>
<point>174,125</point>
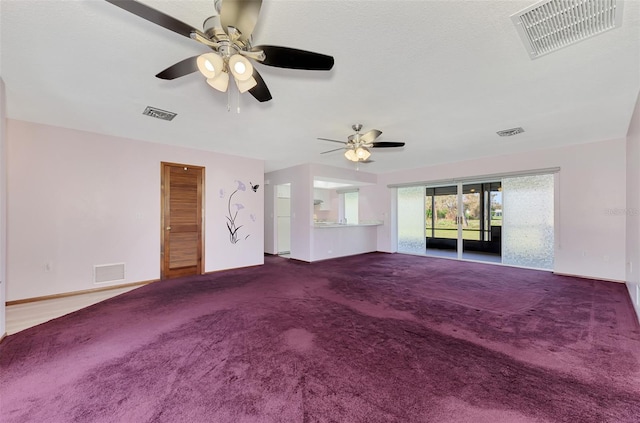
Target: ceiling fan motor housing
<point>211,24</point>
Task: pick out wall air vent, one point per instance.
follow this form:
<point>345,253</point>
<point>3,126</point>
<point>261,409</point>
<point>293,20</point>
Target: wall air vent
<point>158,113</point>
<point>510,132</point>
<point>108,273</point>
<point>550,25</point>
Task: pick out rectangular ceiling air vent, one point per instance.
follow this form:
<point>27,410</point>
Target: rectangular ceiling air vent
<point>158,113</point>
<point>108,273</point>
<point>550,25</point>
<point>510,132</point>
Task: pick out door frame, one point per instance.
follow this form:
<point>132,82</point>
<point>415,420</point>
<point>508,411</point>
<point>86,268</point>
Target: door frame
<point>277,219</point>
<point>164,207</point>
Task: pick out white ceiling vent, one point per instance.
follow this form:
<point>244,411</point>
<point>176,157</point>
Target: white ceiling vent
<point>510,132</point>
<point>108,273</point>
<point>550,25</point>
<point>159,113</point>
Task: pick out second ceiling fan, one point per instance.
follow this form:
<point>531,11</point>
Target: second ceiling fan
<point>228,34</point>
<point>358,145</point>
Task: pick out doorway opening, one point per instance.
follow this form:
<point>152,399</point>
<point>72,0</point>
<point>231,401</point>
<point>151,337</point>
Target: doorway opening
<point>283,220</point>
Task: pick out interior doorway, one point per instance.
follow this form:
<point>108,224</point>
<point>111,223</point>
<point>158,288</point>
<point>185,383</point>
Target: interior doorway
<point>283,219</point>
<point>181,232</point>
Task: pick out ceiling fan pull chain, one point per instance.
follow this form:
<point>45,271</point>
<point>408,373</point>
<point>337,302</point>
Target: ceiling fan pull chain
<point>238,103</point>
<point>228,100</point>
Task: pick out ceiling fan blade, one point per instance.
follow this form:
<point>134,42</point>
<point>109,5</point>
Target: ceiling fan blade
<point>291,58</point>
<point>370,136</point>
<point>240,14</point>
<point>260,92</point>
<point>386,144</point>
<point>331,151</point>
<point>182,68</point>
<point>327,139</point>
<point>155,16</point>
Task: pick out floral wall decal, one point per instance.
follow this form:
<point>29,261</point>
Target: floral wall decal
<point>233,213</point>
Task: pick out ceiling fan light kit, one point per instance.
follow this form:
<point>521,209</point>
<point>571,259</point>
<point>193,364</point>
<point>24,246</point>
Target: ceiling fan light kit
<point>220,82</point>
<point>351,155</point>
<point>357,145</point>
<point>246,85</point>
<point>357,155</point>
<point>210,65</point>
<point>240,67</point>
<point>228,34</point>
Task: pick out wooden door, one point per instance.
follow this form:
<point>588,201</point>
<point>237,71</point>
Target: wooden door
<point>181,247</point>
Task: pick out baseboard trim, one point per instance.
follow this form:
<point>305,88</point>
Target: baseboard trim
<point>593,278</point>
<point>84,291</point>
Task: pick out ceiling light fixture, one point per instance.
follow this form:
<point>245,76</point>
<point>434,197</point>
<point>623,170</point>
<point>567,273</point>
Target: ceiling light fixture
<point>220,82</point>
<point>241,68</point>
<point>363,153</point>
<point>351,155</point>
<point>210,65</point>
<point>216,69</point>
<point>359,154</point>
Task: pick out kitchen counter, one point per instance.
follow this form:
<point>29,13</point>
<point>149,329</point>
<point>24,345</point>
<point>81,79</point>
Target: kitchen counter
<point>343,225</point>
<point>332,239</point>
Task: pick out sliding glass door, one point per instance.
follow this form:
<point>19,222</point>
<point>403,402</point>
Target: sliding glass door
<point>459,221</point>
<point>506,221</point>
<point>442,218</point>
<point>481,228</point>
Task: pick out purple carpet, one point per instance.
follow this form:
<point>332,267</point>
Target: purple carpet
<point>371,338</point>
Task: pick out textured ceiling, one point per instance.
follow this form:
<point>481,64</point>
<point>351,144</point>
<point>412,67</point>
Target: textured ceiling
<point>442,76</point>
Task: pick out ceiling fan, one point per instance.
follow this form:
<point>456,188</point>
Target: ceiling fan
<point>228,34</point>
<point>358,145</point>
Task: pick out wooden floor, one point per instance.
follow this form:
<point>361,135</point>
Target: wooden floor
<point>22,316</point>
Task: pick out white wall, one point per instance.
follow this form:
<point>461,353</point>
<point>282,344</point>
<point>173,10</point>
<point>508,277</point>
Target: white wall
<point>78,199</point>
<point>592,183</point>
<point>3,208</point>
<point>632,211</point>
